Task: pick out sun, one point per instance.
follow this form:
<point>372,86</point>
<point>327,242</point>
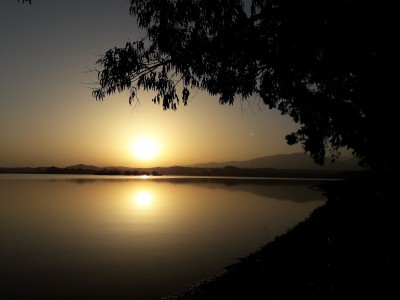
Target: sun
<point>145,148</point>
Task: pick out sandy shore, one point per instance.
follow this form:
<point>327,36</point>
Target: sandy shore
<point>345,249</point>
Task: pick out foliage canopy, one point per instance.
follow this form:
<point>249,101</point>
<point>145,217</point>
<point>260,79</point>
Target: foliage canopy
<point>327,64</point>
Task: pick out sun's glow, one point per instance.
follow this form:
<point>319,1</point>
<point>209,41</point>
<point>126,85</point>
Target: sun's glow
<point>145,148</point>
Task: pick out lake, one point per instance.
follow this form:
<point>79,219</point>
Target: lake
<point>103,237</point>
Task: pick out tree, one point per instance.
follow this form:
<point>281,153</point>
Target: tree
<point>327,64</point>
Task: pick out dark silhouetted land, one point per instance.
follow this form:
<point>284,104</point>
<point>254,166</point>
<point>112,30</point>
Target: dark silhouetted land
<point>344,250</point>
<point>296,165</point>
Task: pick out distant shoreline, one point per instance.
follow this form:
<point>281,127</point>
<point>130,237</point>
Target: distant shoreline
<point>185,171</point>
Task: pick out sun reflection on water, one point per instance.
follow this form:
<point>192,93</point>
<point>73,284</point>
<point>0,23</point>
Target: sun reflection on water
<point>143,198</point>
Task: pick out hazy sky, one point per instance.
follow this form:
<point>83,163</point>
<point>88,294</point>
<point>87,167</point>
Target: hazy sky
<point>48,116</point>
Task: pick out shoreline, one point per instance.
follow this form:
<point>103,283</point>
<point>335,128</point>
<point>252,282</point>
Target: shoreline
<point>344,248</point>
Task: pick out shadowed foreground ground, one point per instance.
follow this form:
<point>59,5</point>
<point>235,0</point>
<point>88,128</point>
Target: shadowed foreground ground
<point>345,249</point>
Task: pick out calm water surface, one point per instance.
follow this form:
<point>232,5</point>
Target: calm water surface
<point>94,237</point>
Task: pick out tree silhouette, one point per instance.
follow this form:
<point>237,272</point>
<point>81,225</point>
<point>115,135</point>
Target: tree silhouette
<point>327,64</point>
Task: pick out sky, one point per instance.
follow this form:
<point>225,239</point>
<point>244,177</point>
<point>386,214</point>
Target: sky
<point>48,116</point>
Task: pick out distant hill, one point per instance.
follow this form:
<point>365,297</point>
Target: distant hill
<point>84,167</point>
<point>295,161</point>
<point>283,165</point>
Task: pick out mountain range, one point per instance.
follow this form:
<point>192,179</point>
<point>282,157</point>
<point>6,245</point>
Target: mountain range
<point>294,161</point>
<point>283,165</point>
